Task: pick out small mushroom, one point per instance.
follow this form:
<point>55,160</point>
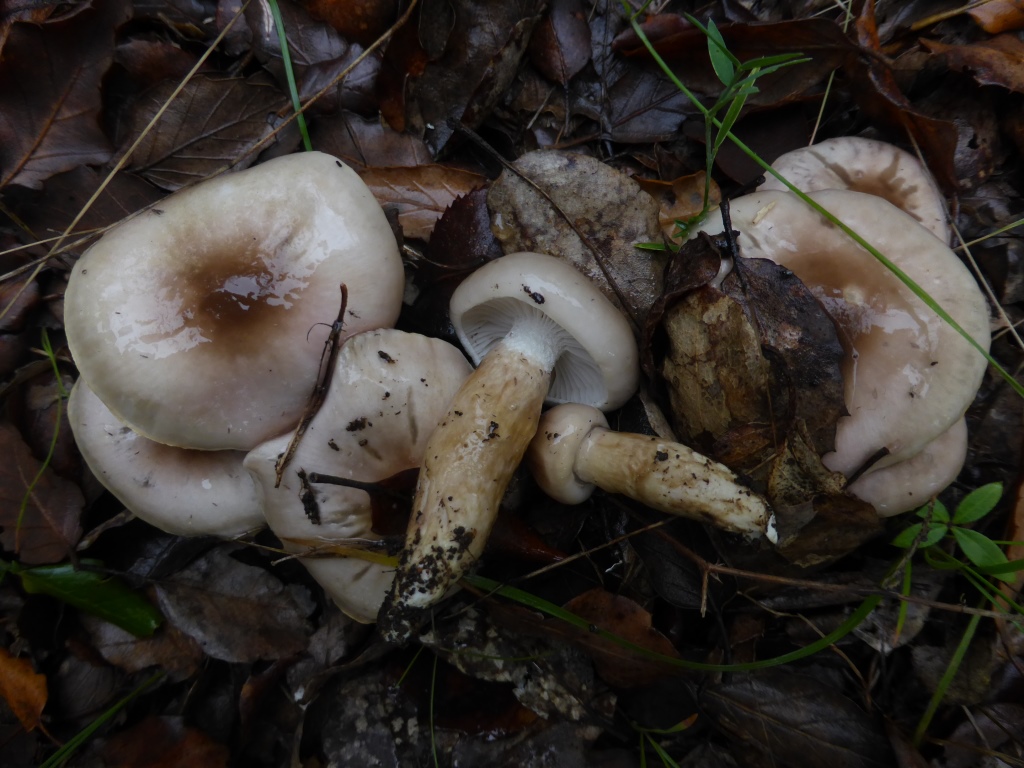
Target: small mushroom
<point>178,490</point>
<point>870,166</point>
<point>539,330</point>
<point>388,392</point>
<point>201,322</point>
<point>908,376</point>
<point>574,451</point>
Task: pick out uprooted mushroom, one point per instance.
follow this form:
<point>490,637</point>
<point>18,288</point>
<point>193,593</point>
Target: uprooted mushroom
<point>539,330</point>
<point>200,323</point>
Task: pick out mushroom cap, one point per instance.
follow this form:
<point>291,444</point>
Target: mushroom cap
<point>201,322</point>
<point>599,365</point>
<point>870,166</point>
<point>552,453</point>
<point>908,376</point>
<point>911,483</point>
<point>178,490</point>
<point>388,392</point>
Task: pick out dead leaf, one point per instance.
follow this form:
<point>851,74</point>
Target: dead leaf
<point>996,61</point>
<point>587,213</point>
<point>366,141</point>
<point>169,648</point>
<point>997,16</point>
<point>617,665</point>
<point>421,194</point>
<point>875,88</point>
<point>211,126</point>
<point>680,199</point>
<point>164,742</point>
<point>50,93</point>
<point>50,526</point>
<point>236,612</point>
<point>360,20</point>
<point>560,46</point>
<point>23,688</point>
<point>481,54</point>
<point>798,720</point>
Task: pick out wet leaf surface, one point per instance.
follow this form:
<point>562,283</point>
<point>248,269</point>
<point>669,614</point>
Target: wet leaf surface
<point>23,689</point>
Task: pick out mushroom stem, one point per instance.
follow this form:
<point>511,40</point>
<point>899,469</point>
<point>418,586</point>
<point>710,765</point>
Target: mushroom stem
<point>672,478</point>
<point>574,451</point>
<point>468,463</point>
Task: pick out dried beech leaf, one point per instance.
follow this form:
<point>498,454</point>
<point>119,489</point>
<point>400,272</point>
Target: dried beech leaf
<point>462,239</point>
<point>997,16</point>
<point>560,46</point>
<point>481,56</point>
<point>363,141</point>
<point>990,62</point>
<point>164,742</point>
<point>236,612</point>
<point>617,665</point>
<point>50,526</point>
<point>169,648</point>
<point>23,689</point>
<point>50,93</point>
<point>360,20</point>
<point>799,721</point>
<point>212,125</point>
<point>680,199</point>
<point>581,210</point>
<point>879,96</point>
<point>421,194</point>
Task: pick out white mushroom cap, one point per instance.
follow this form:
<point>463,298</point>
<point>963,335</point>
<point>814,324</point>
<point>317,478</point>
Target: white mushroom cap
<point>388,392</point>
<point>181,491</point>
<point>599,363</point>
<point>870,166</point>
<point>911,483</point>
<point>908,375</point>
<point>202,321</point>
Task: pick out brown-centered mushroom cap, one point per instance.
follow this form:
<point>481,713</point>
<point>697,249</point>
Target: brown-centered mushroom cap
<point>178,490</point>
<point>908,375</point>
<point>870,166</point>
<point>388,392</point>
<point>201,322</point>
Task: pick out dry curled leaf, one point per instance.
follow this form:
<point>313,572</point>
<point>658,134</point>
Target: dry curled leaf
<point>996,61</point>
<point>23,689</point>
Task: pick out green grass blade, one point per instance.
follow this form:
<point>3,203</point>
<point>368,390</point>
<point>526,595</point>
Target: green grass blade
<point>289,74</point>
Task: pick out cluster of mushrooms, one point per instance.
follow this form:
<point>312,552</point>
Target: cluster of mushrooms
<point>199,336</point>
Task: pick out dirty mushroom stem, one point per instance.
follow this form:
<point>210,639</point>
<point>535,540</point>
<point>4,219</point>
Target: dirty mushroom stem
<point>466,467</point>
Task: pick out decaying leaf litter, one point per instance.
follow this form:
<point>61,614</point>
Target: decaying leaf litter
<point>486,130</point>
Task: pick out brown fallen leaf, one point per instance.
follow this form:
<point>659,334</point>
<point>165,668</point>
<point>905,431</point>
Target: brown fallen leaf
<point>421,193</point>
<point>996,61</point>
<point>164,742</point>
<point>213,124</point>
<point>50,97</point>
<point>997,16</point>
<point>680,199</point>
<point>560,46</point>
<point>169,648</point>
<point>617,665</point>
<point>49,527</point>
<point>23,689</point>
<point>236,612</point>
